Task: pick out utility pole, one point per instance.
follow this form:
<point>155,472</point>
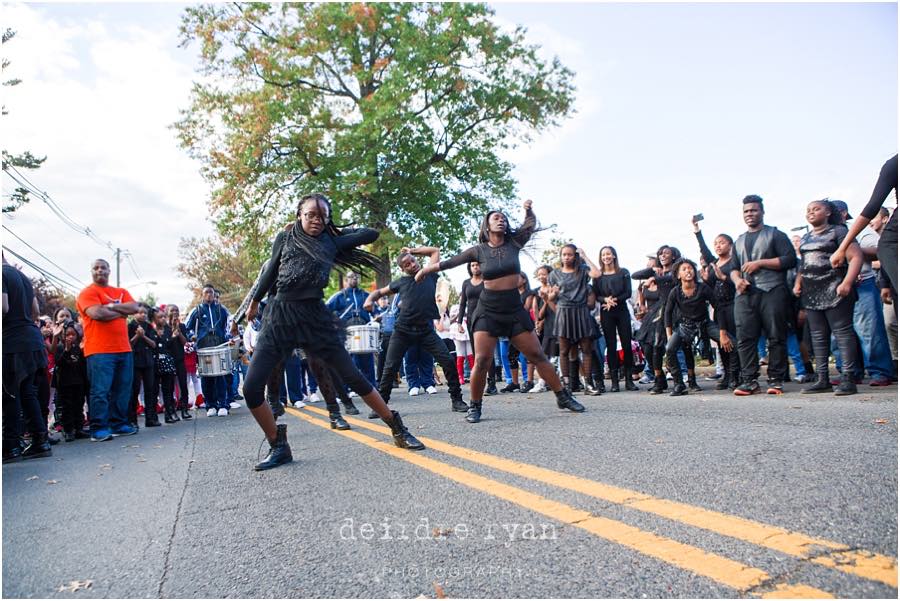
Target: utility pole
<point>118,264</point>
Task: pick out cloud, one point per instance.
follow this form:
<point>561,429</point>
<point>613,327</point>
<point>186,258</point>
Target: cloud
<point>99,100</point>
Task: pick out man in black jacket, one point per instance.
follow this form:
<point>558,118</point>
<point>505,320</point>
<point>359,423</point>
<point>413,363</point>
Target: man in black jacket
<point>762,256</point>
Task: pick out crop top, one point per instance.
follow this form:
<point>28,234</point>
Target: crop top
<point>500,261</point>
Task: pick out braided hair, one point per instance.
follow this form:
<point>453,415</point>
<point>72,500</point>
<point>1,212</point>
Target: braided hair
<point>353,259</point>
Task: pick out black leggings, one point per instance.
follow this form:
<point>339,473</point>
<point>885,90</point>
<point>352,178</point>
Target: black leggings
<point>837,321</point>
<point>430,342</point>
<point>166,384</point>
<point>181,378</point>
<point>683,339</point>
<point>618,320</point>
<point>267,357</point>
<point>70,399</point>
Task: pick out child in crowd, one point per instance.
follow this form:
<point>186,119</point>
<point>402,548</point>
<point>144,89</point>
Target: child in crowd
<point>70,377</point>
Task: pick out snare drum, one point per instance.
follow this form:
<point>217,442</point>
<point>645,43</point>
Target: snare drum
<point>363,339</point>
<point>214,361</point>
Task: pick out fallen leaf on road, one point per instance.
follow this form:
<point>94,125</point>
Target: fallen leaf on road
<point>796,407</point>
<point>659,441</point>
<point>52,481</point>
<point>439,532</point>
<point>439,591</point>
<point>881,420</point>
<point>31,478</point>
<point>75,585</point>
<point>106,466</point>
<point>141,460</point>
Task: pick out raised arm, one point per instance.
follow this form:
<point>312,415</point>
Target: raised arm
<point>526,230</point>
<point>707,254</point>
<point>466,256</point>
<point>887,181</point>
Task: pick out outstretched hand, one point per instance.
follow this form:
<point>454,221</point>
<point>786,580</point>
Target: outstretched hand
<point>527,205</point>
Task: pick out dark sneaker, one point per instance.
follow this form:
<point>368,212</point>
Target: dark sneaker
<point>491,390</point>
<point>511,387</point>
<point>527,386</point>
<point>124,430</point>
<point>747,388</point>
<point>774,387</point>
<point>101,435</point>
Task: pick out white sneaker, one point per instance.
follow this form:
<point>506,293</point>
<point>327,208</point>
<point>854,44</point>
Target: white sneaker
<point>431,390</point>
<point>299,404</point>
<point>235,405</point>
<point>210,413</point>
<point>352,395</point>
<point>541,386</point>
<point>223,412</point>
<point>414,391</point>
<point>314,398</point>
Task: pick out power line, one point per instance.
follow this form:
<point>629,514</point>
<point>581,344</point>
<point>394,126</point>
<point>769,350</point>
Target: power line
<point>52,278</point>
<point>40,254</point>
<point>57,210</point>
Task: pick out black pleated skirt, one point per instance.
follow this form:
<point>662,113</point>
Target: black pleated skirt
<point>306,324</point>
<point>575,323</point>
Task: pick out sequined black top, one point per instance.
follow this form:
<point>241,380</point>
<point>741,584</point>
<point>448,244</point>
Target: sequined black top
<point>300,274</point>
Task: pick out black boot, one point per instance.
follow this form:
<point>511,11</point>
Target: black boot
<point>459,405</point>
<point>692,383</point>
<point>491,388</point>
<point>574,370</point>
<point>186,414</point>
<point>279,451</point>
<point>589,388</point>
<point>846,387</point>
<point>349,407</point>
<point>473,415</point>
<point>659,385</point>
<point>39,447</point>
<point>13,453</point>
<point>337,421</point>
<point>629,382</point>
<point>169,418</point>
<point>725,380</point>
<point>821,385</point>
<point>565,400</point>
<point>680,389</point>
<point>402,437</point>
<point>614,380</point>
<point>600,384</point>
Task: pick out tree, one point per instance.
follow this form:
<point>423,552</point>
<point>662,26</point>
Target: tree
<point>50,297</point>
<point>397,111</point>
<point>226,263</point>
<point>24,160</point>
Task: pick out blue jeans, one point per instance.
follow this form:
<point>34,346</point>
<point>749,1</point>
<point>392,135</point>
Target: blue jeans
<point>793,351</point>
<point>507,367</point>
<point>365,363</point>
<point>307,377</point>
<point>419,368</point>
<point>110,375</point>
<point>214,394</point>
<point>293,372</point>
<point>868,321</point>
<point>237,372</point>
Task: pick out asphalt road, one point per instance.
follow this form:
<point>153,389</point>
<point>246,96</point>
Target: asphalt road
<point>708,495</point>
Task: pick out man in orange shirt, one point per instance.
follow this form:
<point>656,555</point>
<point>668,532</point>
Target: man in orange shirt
<point>103,310</point>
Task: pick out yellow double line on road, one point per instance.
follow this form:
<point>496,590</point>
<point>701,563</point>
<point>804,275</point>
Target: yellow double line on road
<point>744,578</point>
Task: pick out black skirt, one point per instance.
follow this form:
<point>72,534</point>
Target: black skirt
<point>305,324</point>
<point>575,323</point>
<point>500,313</point>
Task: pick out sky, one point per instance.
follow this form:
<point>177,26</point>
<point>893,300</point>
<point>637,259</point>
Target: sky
<point>680,109</point>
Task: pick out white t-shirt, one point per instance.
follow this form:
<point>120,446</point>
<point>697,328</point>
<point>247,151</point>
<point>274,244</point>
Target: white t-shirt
<point>868,238</point>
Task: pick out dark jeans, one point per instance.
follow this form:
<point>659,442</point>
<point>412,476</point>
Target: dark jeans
<point>756,312</point>
<point>147,377</point>
<point>419,368</point>
<point>70,399</point>
<point>43,393</point>
<point>618,320</point>
<point>215,395</point>
<point>837,321</point>
<point>266,358</point>
<point>181,379</point>
<point>110,375</point>
<point>24,404</point>
<point>683,339</point>
<point>429,342</point>
<point>382,354</point>
<point>165,383</point>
